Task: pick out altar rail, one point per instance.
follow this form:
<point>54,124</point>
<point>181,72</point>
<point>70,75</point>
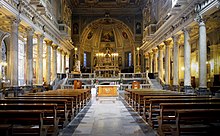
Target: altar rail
<point>129,86</point>
<point>120,75</point>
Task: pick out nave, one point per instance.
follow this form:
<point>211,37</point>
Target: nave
<point>78,112</point>
<point>108,116</point>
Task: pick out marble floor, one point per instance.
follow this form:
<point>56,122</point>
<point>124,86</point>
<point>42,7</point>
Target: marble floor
<point>107,116</point>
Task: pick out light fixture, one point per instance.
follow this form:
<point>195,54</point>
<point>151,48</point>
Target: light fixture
<point>138,48</point>
<point>75,48</point>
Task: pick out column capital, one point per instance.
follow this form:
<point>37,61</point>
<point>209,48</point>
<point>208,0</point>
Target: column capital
<point>155,50</point>
<point>199,19</point>
<point>60,49</point>
<point>30,31</point>
<point>65,53</point>
<point>187,29</point>
<point>168,42</point>
<point>160,47</point>
<point>41,36</point>
<point>176,38</point>
<point>15,20</point>
<point>54,46</point>
<point>146,55</point>
<point>150,53</point>
<point>48,42</point>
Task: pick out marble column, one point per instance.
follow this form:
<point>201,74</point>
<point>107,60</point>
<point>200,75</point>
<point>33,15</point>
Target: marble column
<point>29,57</point>
<point>39,61</point>
<point>13,63</point>
<point>160,72</point>
<point>151,62</point>
<point>187,62</point>
<point>202,57</point>
<point>64,62</point>
<point>155,51</point>
<point>147,63</point>
<point>167,64</point>
<point>175,62</point>
<point>61,60</point>
<point>54,62</point>
<point>48,61</point>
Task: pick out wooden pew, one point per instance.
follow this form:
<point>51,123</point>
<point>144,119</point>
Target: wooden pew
<point>133,98</point>
<point>147,106</point>
<point>128,93</point>
<point>22,121</point>
<point>50,114</point>
<point>81,96</point>
<point>71,101</point>
<point>62,111</point>
<point>197,122</point>
<point>154,104</point>
<point>86,94</point>
<point>138,97</point>
<point>167,113</point>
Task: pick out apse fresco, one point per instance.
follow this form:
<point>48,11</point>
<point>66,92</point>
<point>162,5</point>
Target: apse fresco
<point>107,36</point>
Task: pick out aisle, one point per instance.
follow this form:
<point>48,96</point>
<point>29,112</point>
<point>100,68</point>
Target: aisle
<point>107,116</point>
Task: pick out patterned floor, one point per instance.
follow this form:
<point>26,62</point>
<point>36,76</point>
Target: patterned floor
<point>107,116</point>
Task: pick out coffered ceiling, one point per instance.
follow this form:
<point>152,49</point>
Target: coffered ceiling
<point>112,6</point>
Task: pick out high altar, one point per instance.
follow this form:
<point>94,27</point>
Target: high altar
<point>107,90</point>
<point>107,65</point>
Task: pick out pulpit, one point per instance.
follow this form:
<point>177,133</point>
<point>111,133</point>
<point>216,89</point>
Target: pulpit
<point>107,90</point>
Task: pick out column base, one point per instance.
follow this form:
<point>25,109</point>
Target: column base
<point>188,90</point>
<point>202,91</point>
<point>175,88</point>
<point>166,87</point>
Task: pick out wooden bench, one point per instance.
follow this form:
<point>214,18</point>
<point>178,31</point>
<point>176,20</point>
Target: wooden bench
<point>50,114</point>
<point>167,113</point>
<point>140,100</point>
<point>154,110</point>
<point>146,105</point>
<point>71,101</point>
<point>24,122</point>
<point>83,99</point>
<point>196,122</point>
<point>62,111</point>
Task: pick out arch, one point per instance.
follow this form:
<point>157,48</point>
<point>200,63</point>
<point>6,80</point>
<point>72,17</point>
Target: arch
<point>88,32</point>
<point>3,36</point>
<point>3,72</point>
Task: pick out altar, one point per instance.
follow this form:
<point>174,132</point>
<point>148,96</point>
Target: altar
<point>107,90</point>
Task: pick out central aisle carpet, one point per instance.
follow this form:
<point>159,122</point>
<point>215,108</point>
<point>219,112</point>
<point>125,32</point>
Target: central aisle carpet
<point>107,116</point>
